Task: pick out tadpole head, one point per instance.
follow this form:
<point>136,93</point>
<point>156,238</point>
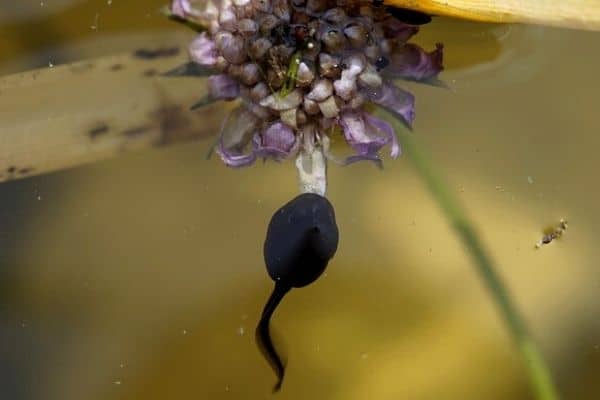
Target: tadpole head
<point>301,239</point>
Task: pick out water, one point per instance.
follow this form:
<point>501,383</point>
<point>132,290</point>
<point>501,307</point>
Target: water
<point>142,276</point>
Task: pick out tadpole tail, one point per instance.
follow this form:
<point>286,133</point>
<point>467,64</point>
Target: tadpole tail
<point>263,334</point>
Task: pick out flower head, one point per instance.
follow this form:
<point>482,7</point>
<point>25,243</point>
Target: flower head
<point>302,68</point>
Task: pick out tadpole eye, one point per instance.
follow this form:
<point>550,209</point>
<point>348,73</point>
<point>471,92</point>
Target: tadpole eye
<point>301,239</point>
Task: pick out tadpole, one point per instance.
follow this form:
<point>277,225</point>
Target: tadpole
<point>301,239</point>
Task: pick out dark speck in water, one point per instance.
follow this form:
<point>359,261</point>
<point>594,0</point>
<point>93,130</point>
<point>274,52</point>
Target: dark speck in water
<point>98,130</point>
<point>116,67</point>
<point>26,170</point>
<point>150,72</point>
<point>151,54</point>
<point>173,122</point>
<point>136,131</point>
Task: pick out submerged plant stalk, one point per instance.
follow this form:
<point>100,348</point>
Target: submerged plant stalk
<point>69,115</point>
<point>537,369</point>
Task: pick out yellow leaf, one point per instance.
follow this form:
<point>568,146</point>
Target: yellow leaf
<point>578,14</point>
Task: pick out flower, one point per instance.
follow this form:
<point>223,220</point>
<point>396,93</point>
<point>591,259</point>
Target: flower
<point>302,68</point>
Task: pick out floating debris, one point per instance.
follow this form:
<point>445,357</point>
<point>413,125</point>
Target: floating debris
<point>552,233</point>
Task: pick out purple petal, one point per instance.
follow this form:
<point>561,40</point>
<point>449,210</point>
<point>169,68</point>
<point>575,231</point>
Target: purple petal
<point>397,101</point>
<point>227,18</point>
<point>223,87</point>
<point>273,154</point>
<point>231,47</point>
<point>236,160</point>
<point>277,141</point>
<point>386,129</point>
<point>190,9</point>
<point>367,135</point>
<point>201,14</point>
<point>367,157</point>
<point>279,136</point>
<point>351,159</point>
<point>181,8</point>
<point>203,51</point>
<point>236,134</point>
<point>359,136</point>
<point>414,63</point>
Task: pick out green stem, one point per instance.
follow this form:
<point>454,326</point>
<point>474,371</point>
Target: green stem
<point>538,371</point>
<point>291,74</point>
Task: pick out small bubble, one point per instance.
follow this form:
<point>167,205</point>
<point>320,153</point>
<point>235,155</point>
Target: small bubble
<point>50,64</point>
<point>184,332</point>
<point>117,383</point>
<point>500,188</point>
<point>241,331</point>
<point>530,180</point>
<point>39,197</point>
<point>364,356</point>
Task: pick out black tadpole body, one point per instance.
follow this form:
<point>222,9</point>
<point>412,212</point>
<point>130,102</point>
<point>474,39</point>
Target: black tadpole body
<point>301,239</point>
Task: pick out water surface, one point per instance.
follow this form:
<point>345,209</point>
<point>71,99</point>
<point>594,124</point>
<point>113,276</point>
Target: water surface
<point>142,277</point>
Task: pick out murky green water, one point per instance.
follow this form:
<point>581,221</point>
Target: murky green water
<point>142,277</point>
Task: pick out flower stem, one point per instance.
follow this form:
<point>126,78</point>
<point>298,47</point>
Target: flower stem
<point>538,371</point>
